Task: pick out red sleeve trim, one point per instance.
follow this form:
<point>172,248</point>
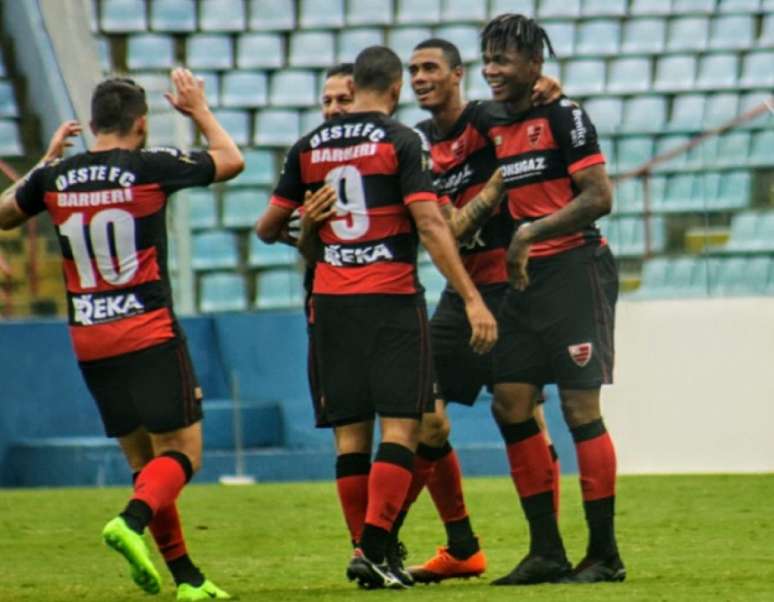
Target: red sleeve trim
<point>281,201</point>
<point>594,159</point>
<point>420,196</point>
<point>444,200</point>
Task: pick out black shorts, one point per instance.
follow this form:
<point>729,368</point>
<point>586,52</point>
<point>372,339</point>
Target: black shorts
<point>459,371</point>
<point>560,329</point>
<point>155,388</point>
<point>372,356</point>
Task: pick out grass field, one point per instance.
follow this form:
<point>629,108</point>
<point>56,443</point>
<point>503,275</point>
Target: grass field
<point>701,538</point>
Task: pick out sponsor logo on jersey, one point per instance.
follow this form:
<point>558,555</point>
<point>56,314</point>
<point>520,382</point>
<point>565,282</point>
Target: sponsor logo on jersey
<point>454,182</point>
<point>533,133</point>
<point>581,353</point>
<point>524,168</point>
<point>337,256</point>
<point>324,155</point>
<point>578,133</point>
<point>474,242</point>
<point>89,310</point>
<point>94,198</point>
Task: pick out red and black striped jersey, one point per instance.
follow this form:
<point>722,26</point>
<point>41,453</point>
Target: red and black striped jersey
<point>377,166</point>
<point>538,151</point>
<point>463,161</point>
<point>109,209</point>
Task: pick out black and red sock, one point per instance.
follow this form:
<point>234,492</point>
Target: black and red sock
<point>352,486</point>
<point>557,476</point>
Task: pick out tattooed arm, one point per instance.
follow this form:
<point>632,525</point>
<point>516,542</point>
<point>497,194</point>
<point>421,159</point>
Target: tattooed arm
<point>464,222</point>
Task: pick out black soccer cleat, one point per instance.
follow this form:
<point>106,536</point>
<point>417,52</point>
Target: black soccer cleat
<point>395,555</point>
<point>593,570</point>
<point>370,575</point>
<point>536,569</point>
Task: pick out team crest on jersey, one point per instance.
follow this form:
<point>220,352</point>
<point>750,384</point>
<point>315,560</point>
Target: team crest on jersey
<point>458,149</point>
<point>534,132</point>
<point>581,353</point>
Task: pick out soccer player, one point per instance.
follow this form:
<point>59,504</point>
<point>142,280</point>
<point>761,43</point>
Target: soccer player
<point>557,319</point>
<point>463,161</point>
<point>108,205</point>
<point>371,341</point>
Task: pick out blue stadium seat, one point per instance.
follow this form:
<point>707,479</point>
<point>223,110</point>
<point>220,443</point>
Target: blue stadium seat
<point>733,191</point>
<point>8,106</point>
<point>276,127</point>
<point>699,7</point>
<point>10,145</point>
<point>321,14</point>
<point>732,32</point>
<point>520,7</point>
<point>310,119</point>
<point>222,292</point>
<point>607,146</point>
<point>553,68</point>
<point>236,122</point>
<point>433,281</point>
<point>413,12</point>
<point>628,196</point>
<point>223,15</point>
<point>688,33</point>
<point>465,37</point>
<point>744,232</point>
<point>629,75</point>
<point>243,89</point>
<point>681,194</point>
<point>202,209</point>
<point>731,277</point>
<point>720,108</point>
<point>463,11</point>
<point>242,207</point>
<point>312,49</point>
<point>633,151</point>
<point>739,6</point>
<point>733,149</point>
<point>173,16</point>
<point>603,8</point>
<point>155,85</point>
<point>412,115</point>
<point>650,7</point>
<point>352,41</point>
<point>669,143</point>
<point>562,36</point>
<point>103,49</point>
<point>292,88</point>
<point>584,76</point>
<point>664,277</point>
<point>150,51</point>
<point>644,114</point>
<point>647,35</point>
<point>164,128</point>
<point>753,100</point>
<point>262,255</point>
<point>476,87</point>
<point>718,71</point>
<point>123,16</point>
<point>598,37</point>
<point>279,289</point>
<point>369,12</point>
<point>260,169</point>
<point>687,113</point>
<point>655,274</point>
<point>270,15</point>
<point>260,51</point>
<point>216,249</point>
<point>208,51</point>
<point>211,87</point>
<point>760,148</point>
<point>757,71</point>
<point>627,236</point>
<point>559,8</point>
<point>605,113</point>
<point>675,72</point>
<point>403,39</point>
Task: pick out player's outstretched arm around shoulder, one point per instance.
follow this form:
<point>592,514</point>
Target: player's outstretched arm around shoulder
<point>437,239</point>
<point>11,215</point>
<point>190,100</point>
<point>464,222</point>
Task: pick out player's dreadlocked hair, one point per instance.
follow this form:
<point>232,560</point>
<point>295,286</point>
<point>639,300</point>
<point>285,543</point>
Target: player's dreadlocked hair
<point>510,30</point>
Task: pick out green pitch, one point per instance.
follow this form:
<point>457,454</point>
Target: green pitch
<point>699,538</point>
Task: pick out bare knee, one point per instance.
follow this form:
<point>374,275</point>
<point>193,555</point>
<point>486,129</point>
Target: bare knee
<point>580,407</point>
<point>513,402</point>
<point>435,429</point>
<point>186,441</point>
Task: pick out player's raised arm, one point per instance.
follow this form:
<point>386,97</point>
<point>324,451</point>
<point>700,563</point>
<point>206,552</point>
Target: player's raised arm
<point>189,99</point>
<point>437,239</point>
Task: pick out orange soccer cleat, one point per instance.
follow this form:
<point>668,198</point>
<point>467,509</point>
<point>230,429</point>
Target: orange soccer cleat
<point>445,566</point>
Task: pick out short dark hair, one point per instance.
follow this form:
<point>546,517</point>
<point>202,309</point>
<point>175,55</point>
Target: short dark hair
<point>115,105</point>
<point>518,32</point>
<point>450,52</point>
<point>340,70</point>
<point>377,68</point>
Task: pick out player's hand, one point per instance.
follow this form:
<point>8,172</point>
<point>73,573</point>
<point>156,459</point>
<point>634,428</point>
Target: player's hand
<point>483,326</point>
<point>188,97</point>
<point>294,225</point>
<point>61,139</point>
<point>546,90</point>
<point>319,205</point>
<point>516,259</point>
